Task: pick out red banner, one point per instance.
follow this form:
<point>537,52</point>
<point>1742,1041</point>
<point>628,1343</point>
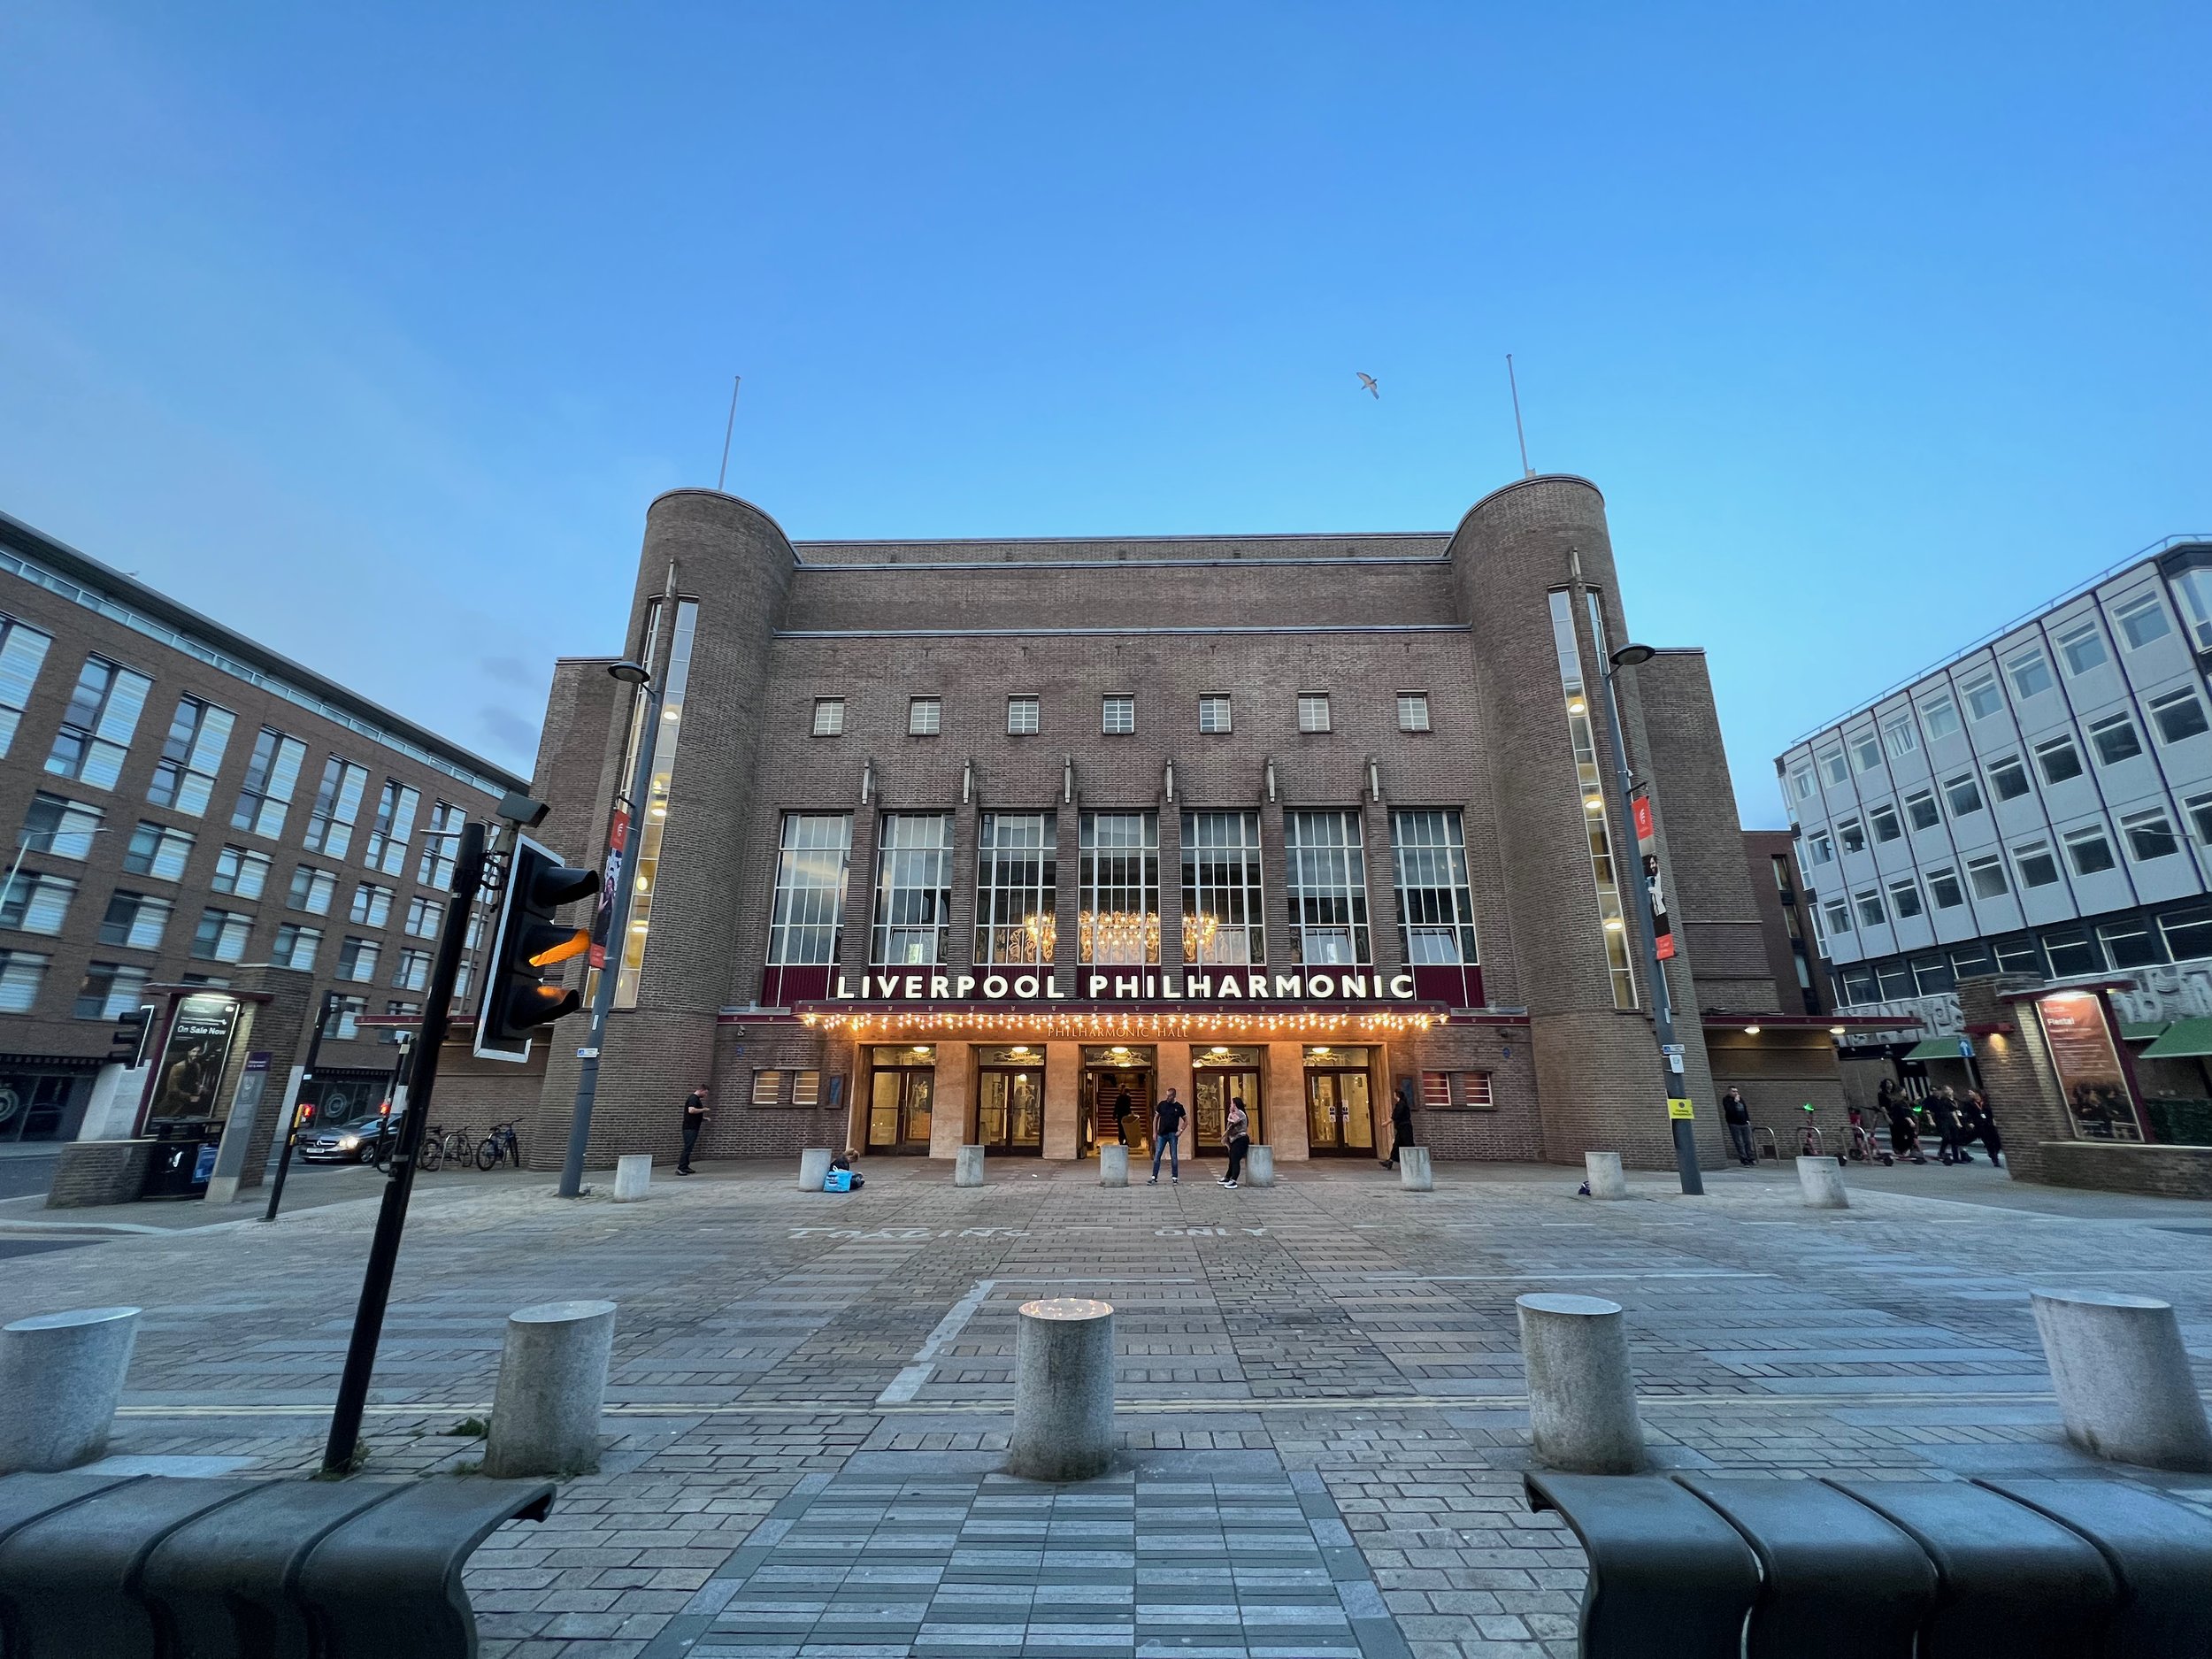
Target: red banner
<point>1654,889</point>
<point>618,836</point>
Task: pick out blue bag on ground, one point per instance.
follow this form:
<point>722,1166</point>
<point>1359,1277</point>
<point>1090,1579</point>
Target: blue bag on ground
<point>838,1181</point>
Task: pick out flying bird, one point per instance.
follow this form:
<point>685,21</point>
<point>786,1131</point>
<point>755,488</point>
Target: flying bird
<point>1368,380</point>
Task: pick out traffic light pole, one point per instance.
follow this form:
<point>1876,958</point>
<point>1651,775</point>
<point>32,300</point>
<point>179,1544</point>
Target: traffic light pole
<point>399,1185</point>
<point>292,1128</point>
<point>610,966</point>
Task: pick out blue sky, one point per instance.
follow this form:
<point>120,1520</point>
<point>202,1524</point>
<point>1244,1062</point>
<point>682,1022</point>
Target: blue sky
<point>1877,325</point>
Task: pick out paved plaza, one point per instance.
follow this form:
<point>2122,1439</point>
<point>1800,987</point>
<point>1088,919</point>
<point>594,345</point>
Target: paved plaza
<point>1321,1393</point>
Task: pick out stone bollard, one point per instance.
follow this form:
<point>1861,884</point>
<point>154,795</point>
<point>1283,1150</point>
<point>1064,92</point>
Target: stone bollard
<point>552,1385</point>
<point>1063,1390</point>
<point>1259,1167</point>
<point>814,1165</point>
<point>1822,1182</point>
<point>633,1175</point>
<point>61,1377</point>
<point>1413,1170</point>
<point>967,1167</point>
<point>1581,1390</point>
<point>2123,1378</point>
<point>1113,1165</point>
<point>1603,1171</point>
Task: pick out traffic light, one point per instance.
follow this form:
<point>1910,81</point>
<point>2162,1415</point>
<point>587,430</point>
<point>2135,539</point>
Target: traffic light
<point>126,1044</point>
<point>527,942</point>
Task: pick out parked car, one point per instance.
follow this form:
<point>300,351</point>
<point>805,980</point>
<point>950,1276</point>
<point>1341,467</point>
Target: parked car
<point>351,1143</point>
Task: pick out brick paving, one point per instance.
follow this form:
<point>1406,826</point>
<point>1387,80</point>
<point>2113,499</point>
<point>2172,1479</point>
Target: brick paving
<point>1320,1391</point>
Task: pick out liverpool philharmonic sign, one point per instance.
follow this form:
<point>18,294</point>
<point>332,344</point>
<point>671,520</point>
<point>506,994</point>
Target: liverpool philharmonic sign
<point>1348,985</point>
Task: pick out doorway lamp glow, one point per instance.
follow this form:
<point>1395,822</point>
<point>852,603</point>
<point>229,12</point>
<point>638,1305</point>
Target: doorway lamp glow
<point>1655,972</point>
<point>639,677</point>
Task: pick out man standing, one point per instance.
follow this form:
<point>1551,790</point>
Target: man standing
<point>1738,1116</point>
<point>695,1116</point>
<point>1122,1109</point>
<point>1167,1122</point>
<point>1400,1123</point>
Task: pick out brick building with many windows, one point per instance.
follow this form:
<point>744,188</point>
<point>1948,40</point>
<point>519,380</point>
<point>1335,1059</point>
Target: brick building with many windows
<point>994,842</point>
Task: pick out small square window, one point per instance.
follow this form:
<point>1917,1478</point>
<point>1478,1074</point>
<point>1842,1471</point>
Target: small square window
<point>2179,715</point>
<point>1802,782</point>
<point>2031,673</point>
<point>2008,777</point>
<point>1964,794</point>
<point>1413,716</point>
<point>1839,915</point>
<point>2116,740</point>
<point>2033,861</point>
<point>2149,835</point>
<point>1474,1091</point>
<point>1021,717</point>
<point>2082,648</point>
<point>1213,711</point>
<point>1904,898</point>
<point>1870,908</point>
<point>829,716</point>
<point>1900,734</point>
<point>1866,748</point>
<point>806,1088</point>
<point>1836,766</point>
<point>2072,950</point>
<point>1852,834</point>
<point>2090,851</point>
<point>1983,699</point>
<point>2198,808</point>
<point>1118,716</point>
<point>2059,759</point>
<point>2130,943</point>
<point>1940,716</point>
<point>1824,846</point>
<point>1883,820</point>
<point>2142,620</point>
<point>1313,712</point>
<point>2188,933</point>
<point>1943,888</point>
<point>923,716</point>
<point>767,1088</point>
<point>1921,809</point>
<point>1986,876</point>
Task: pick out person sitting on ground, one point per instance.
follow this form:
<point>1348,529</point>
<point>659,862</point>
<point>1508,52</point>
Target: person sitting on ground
<point>844,1161</point>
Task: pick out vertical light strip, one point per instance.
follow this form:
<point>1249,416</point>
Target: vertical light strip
<point>1590,779</point>
<point>653,818</point>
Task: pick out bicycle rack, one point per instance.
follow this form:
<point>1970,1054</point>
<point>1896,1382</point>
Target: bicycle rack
<point>1768,1147</point>
<point>1811,1143</point>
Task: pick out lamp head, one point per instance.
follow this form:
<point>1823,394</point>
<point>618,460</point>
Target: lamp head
<point>630,673</point>
<point>1630,656</point>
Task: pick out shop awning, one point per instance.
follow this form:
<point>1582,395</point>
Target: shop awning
<point>1938,1049</point>
<point>2182,1038</point>
<point>2141,1031</point>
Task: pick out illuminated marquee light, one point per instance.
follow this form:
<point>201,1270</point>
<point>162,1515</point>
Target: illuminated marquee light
<point>1143,1025</point>
<point>1213,986</point>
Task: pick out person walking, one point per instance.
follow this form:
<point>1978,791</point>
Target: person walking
<point>1237,1126</point>
<point>1121,1116</point>
<point>1983,1127</point>
<point>1400,1123</point>
<point>1167,1125</point>
<point>1737,1115</point>
<point>1951,1122</point>
<point>1904,1139</point>
<point>695,1116</point>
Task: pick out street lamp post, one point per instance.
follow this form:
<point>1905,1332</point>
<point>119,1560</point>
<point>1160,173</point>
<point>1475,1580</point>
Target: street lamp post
<point>329,1006</point>
<point>1655,971</point>
<point>636,674</point>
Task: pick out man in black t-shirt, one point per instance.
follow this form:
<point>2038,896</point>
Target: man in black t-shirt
<point>695,1116</point>
<point>1167,1124</point>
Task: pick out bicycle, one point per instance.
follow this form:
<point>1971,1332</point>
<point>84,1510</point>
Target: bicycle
<point>441,1146</point>
<point>431,1155</point>
<point>499,1145</point>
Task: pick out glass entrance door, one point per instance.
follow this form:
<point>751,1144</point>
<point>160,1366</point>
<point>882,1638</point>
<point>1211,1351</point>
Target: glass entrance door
<point>1209,1114</point>
<point>899,1109</point>
<point>1337,1120</point>
<point>1010,1110</point>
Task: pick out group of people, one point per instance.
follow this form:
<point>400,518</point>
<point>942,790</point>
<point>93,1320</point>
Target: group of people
<point>1959,1121</point>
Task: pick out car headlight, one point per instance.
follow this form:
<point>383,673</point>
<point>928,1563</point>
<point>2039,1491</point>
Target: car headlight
<point>347,1143</point>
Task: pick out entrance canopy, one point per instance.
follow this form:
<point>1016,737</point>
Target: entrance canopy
<point>1094,1022</point>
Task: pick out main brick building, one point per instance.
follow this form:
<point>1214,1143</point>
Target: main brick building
<point>957,842</point>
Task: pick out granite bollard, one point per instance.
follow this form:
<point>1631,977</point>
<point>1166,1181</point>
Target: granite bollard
<point>61,1377</point>
<point>1821,1179</point>
<point>1063,1390</point>
<point>814,1168</point>
<point>552,1387</point>
<point>967,1167</point>
<point>1603,1171</point>
<point>1581,1389</point>
<point>2122,1372</point>
<point>1259,1167</point>
<point>632,1177</point>
<point>1113,1165</point>
<point>1413,1170</point>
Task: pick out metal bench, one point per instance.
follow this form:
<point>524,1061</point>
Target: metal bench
<point>1669,1577</point>
<point>2160,1552</point>
<point>244,1570</point>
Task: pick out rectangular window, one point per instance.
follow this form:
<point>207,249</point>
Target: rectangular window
<point>1983,699</point>
<point>1589,777</point>
<point>913,889</point>
<point>923,716</point>
<point>806,1088</point>
<point>440,846</point>
<point>813,856</point>
<point>1921,809</point>
<point>22,972</point>
<point>768,1089</point>
<point>110,990</point>
<point>2089,851</point>
<point>1118,716</point>
<point>1969,960</point>
<point>2197,809</point>
<point>1895,979</point>
<point>1118,898</point>
<point>413,971</point>
<point>1823,846</point>
<point>1866,750</point>
<point>829,717</point>
<point>1904,898</point>
<point>1964,794</point>
<point>2116,740</point>
<point>1225,902</point>
<point>2188,934</point>
<point>2019,955</point>
<point>1022,717</point>
<point>2008,777</point>
<point>1327,880</point>
<point>271,776</point>
<point>191,754</point>
<point>2149,835</point>
<point>2072,950</point>
<point>295,947</point>
<point>2130,943</point>
<point>2141,620</point>
<point>36,901</point>
<point>1986,876</point>
<point>1313,712</point>
<point>1899,735</point>
<point>241,873</point>
<point>1474,1091</point>
<point>1884,822</point>
<point>1932,976</point>
<point>2029,672</point>
<point>423,917</point>
<point>337,808</point>
<point>371,906</point>
<point>357,960</point>
<point>1802,782</point>
<point>2082,648</point>
<point>1838,769</point>
<point>1939,715</point>
<point>63,828</point>
<point>96,727</point>
<point>221,935</point>
<point>1943,888</point>
<point>2037,867</point>
<point>2179,714</point>
<point>1213,711</point>
<point>1869,906</point>
<point>2059,759</point>
<point>22,653</point>
<point>313,890</point>
<point>1852,836</point>
<point>1413,711</point>
<point>1017,888</point>
<point>1837,914</point>
<point>158,851</point>
<point>391,829</point>
<point>1436,910</point>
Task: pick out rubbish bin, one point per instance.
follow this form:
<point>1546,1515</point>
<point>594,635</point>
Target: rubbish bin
<point>184,1156</point>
